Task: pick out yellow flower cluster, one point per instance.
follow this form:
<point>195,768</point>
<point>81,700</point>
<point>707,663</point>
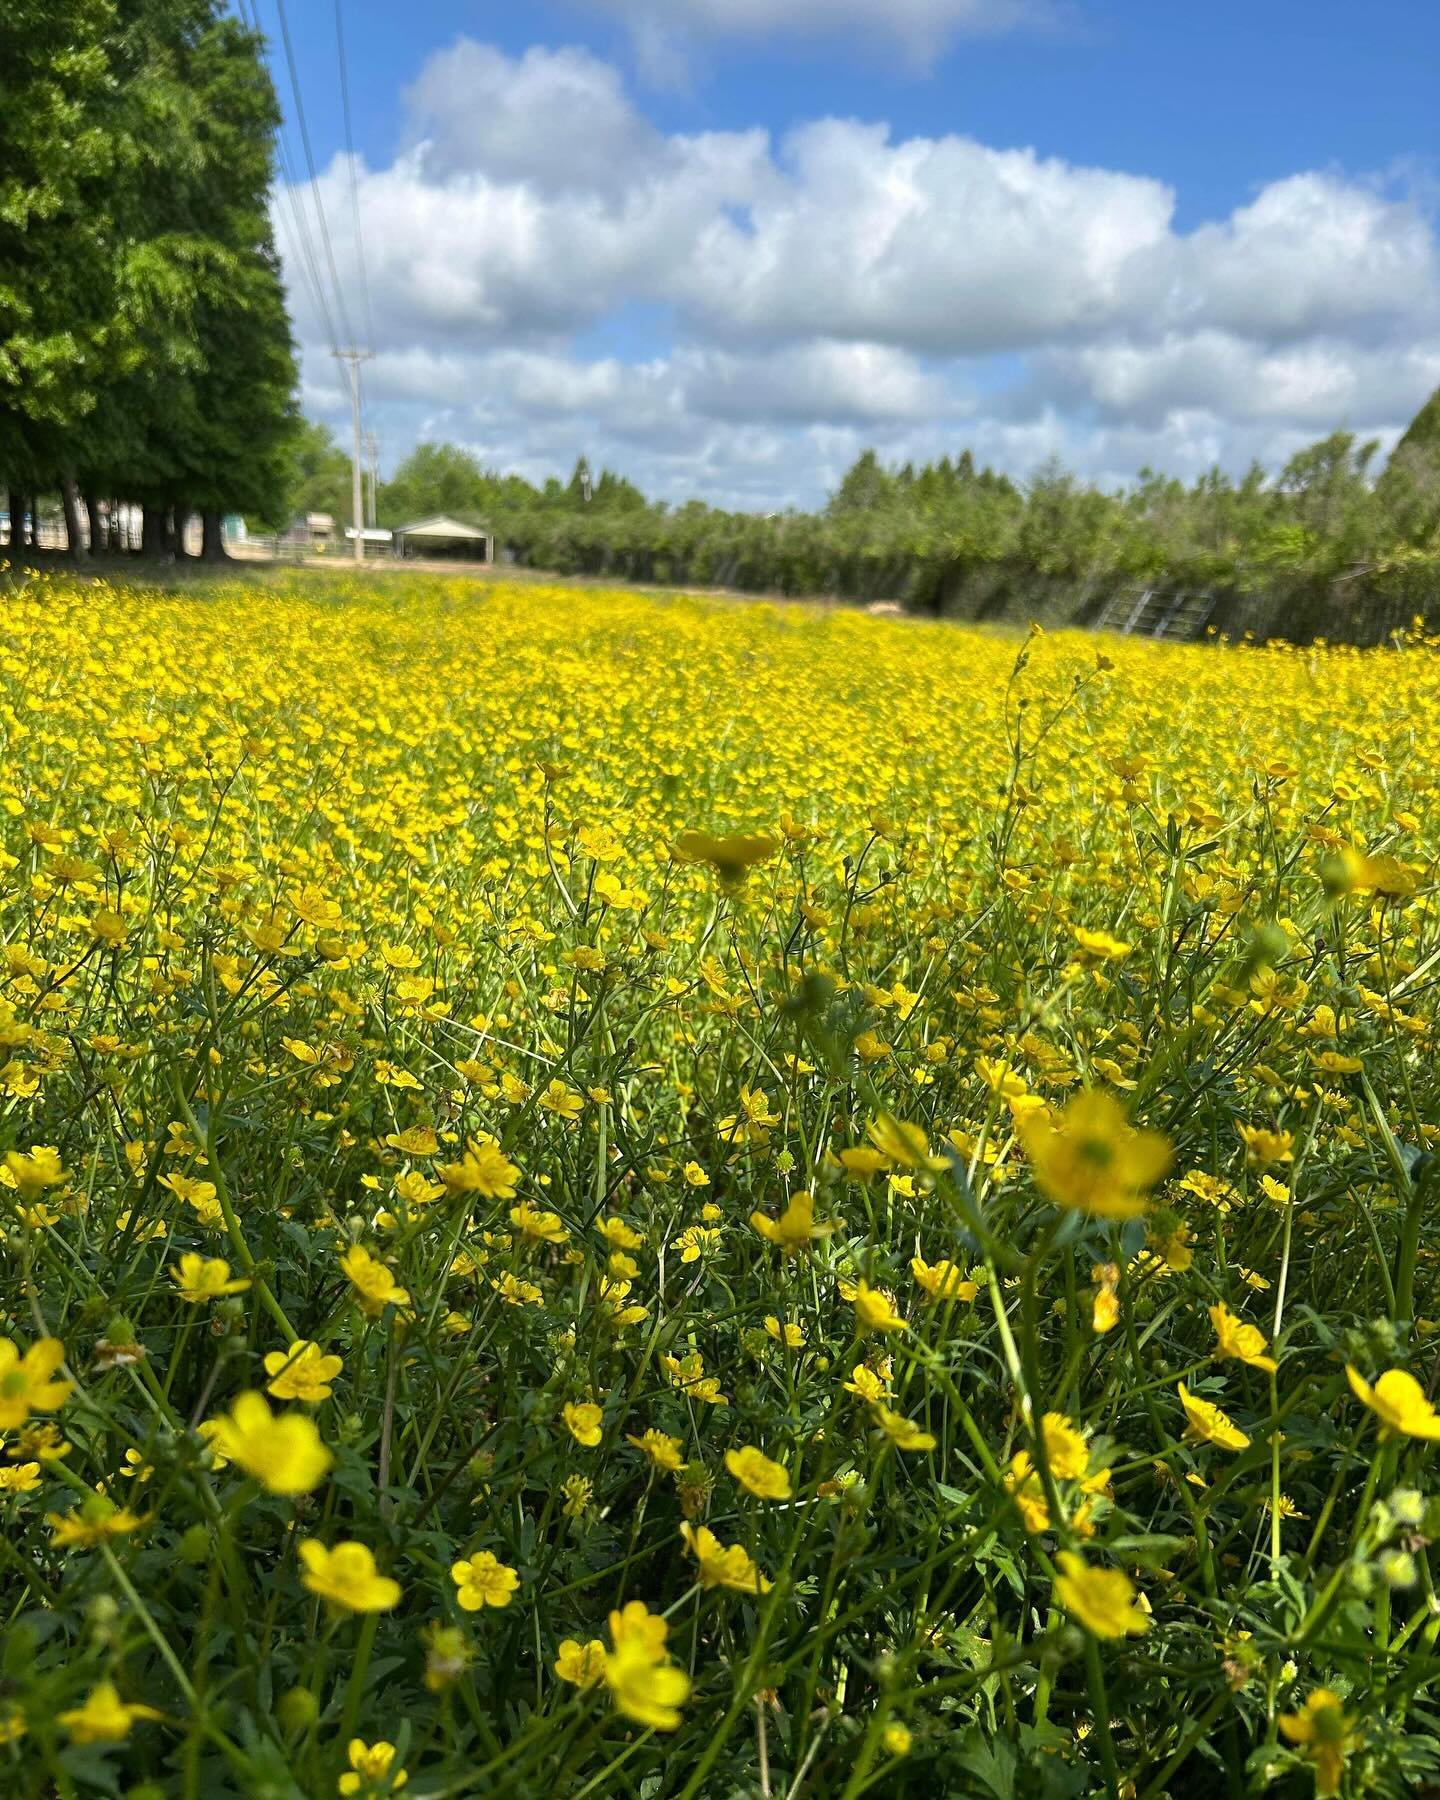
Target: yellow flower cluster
<point>913,1150</point>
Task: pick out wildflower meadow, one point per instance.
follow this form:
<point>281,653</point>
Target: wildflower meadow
<point>614,1195</point>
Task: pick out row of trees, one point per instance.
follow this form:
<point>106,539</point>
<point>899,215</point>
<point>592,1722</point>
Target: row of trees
<point>145,349</point>
<point>1320,541</point>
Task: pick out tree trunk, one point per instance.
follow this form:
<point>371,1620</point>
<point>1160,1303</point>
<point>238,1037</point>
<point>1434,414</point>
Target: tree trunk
<point>179,519</point>
<point>152,532</point>
<point>212,539</point>
<point>92,518</point>
<point>17,522</point>
<point>70,500</point>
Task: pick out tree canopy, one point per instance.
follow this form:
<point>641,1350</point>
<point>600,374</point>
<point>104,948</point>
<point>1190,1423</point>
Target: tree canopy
<point>145,349</point>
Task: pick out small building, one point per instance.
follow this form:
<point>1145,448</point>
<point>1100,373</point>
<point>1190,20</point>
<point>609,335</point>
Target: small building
<point>375,539</point>
<point>444,536</point>
<point>306,532</point>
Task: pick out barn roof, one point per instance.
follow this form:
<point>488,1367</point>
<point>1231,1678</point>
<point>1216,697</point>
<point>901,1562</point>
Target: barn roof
<point>441,526</point>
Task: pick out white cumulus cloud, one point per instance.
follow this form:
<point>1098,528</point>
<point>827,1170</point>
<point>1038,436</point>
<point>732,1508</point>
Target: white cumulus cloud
<point>917,30</point>
<point>551,272</point>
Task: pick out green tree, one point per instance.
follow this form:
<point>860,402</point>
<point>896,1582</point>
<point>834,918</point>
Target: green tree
<point>234,433</point>
<point>445,478</point>
<point>206,420</point>
<point>866,485</point>
<point>1409,486</point>
<point>59,314</point>
<point>318,473</point>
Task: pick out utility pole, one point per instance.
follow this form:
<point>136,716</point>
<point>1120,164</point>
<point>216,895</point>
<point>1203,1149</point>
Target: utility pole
<point>372,458</point>
<point>352,359</point>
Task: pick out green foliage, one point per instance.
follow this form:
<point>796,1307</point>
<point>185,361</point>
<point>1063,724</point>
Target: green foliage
<point>57,271</point>
<point>319,475</point>
<point>144,345</point>
<point>442,478</point>
<point>1321,548</point>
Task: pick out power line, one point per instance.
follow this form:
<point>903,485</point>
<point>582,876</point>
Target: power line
<point>314,174</point>
<point>309,263</point>
<point>350,354</point>
<point>354,184</point>
<point>309,266</point>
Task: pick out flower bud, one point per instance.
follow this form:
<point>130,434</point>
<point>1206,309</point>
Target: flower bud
<point>298,1709</point>
<point>1397,1569</point>
<point>195,1545</point>
<point>1408,1506</point>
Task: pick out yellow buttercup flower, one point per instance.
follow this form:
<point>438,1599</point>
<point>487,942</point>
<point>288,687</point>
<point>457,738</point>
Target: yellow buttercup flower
<point>202,1278</point>
<point>31,1172</point>
<point>875,1310</point>
<point>904,1433</point>
<point>1021,1481</point>
<point>283,1451</point>
<point>1264,1148</point>
<point>644,1684</point>
<point>104,1718</point>
<point>1326,1734</point>
<point>484,1169</point>
<point>862,1161</point>
<point>303,1372</point>
<point>1399,1402</point>
<point>664,1451</point>
<point>582,1665</point>
<point>1105,1307</point>
<point>20,1478</point>
<point>27,1383</point>
<point>620,1235</point>
<point>902,1143</point>
<point>1104,1601</point>
<point>867,1383</point>
<point>795,1230</point>
<point>372,1769</point>
<point>542,1227</point>
<point>584,1420</point>
<point>943,1280</point>
<point>1234,1338</point>
<point>1100,946</point>
<point>483,1580</point>
<point>92,1523</point>
<point>720,1566</point>
<point>1206,1422</point>
<point>688,1374</point>
<point>756,1473</point>
<point>1090,1157</point>
<point>347,1578</point>
<point>375,1287</point>
<point>1066,1450</point>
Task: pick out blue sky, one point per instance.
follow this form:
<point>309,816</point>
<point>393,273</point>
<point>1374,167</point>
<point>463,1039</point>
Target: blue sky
<point>724,258</point>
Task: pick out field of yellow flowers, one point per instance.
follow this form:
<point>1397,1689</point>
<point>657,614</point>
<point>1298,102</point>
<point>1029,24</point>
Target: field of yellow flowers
<point>624,1196</point>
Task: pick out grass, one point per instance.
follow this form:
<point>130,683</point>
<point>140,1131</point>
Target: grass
<point>612,1195</point>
